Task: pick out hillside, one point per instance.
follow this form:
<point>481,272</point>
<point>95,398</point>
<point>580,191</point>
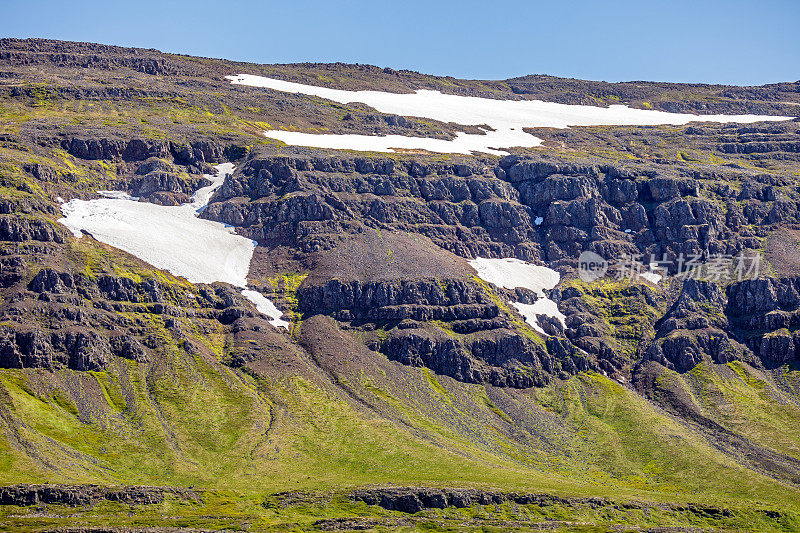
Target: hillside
<point>409,391</point>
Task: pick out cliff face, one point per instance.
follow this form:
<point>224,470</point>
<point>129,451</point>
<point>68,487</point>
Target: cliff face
<point>491,208</point>
<point>654,212</point>
<point>540,208</point>
<point>537,207</point>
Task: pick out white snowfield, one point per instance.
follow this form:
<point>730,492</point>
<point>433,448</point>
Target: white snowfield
<point>265,306</point>
<point>652,277</point>
<point>511,273</point>
<point>542,306</point>
<point>505,117</point>
<point>172,238</point>
<point>464,143</point>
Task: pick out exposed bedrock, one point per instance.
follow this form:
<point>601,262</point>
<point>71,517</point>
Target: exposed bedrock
<point>695,329</point>
<point>79,495</point>
<point>415,499</point>
<point>766,314</point>
<point>536,208</point>
<point>502,357</point>
<point>74,320</point>
<point>78,349</point>
<point>754,320</point>
<point>19,228</point>
<point>378,300</point>
<point>599,328</point>
<point>160,182</point>
<point>450,326</point>
<point>194,153</point>
<point>532,209</point>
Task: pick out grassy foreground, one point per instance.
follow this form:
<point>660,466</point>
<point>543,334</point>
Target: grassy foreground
<point>241,435</point>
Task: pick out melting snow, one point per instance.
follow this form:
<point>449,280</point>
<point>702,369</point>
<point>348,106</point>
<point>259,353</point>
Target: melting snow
<point>652,277</point>
<point>118,195</point>
<point>542,306</point>
<point>512,273</point>
<point>538,221</point>
<point>172,238</point>
<point>265,306</point>
<point>506,117</point>
<point>464,143</point>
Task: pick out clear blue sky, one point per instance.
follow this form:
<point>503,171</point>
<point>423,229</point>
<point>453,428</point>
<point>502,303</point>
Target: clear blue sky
<point>715,41</point>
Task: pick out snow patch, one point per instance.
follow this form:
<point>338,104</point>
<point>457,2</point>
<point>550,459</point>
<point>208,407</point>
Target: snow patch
<point>511,273</point>
<point>172,238</point>
<point>538,221</point>
<point>652,277</point>
<point>265,306</point>
<point>118,195</point>
<point>506,118</point>
<point>464,143</point>
<point>202,196</point>
<point>542,306</point>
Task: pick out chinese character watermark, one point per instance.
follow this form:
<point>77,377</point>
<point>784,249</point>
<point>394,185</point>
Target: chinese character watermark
<point>712,267</point>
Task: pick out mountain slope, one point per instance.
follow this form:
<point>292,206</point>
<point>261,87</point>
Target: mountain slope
<point>408,393</point>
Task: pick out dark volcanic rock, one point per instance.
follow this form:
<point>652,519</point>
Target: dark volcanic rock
<point>128,348</point>
<point>20,229</point>
<point>79,495</point>
<point>48,280</point>
<point>696,329</point>
<point>415,499</point>
<point>196,154</point>
<point>449,300</point>
<point>766,313</point>
<point>12,270</point>
<point>77,349</point>
<point>126,289</point>
<point>156,177</point>
<point>492,353</point>
<point>522,207</point>
<point>504,358</point>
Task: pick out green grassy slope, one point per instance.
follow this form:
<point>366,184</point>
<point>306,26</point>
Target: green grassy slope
<point>291,422</point>
<point>339,416</point>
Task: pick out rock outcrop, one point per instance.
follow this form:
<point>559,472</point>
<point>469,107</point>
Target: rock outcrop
<point>81,495</point>
<point>521,207</point>
<point>766,314</point>
<point>73,320</point>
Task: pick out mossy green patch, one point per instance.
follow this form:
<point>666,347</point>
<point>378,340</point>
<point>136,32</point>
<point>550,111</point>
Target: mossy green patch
<point>624,310</point>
